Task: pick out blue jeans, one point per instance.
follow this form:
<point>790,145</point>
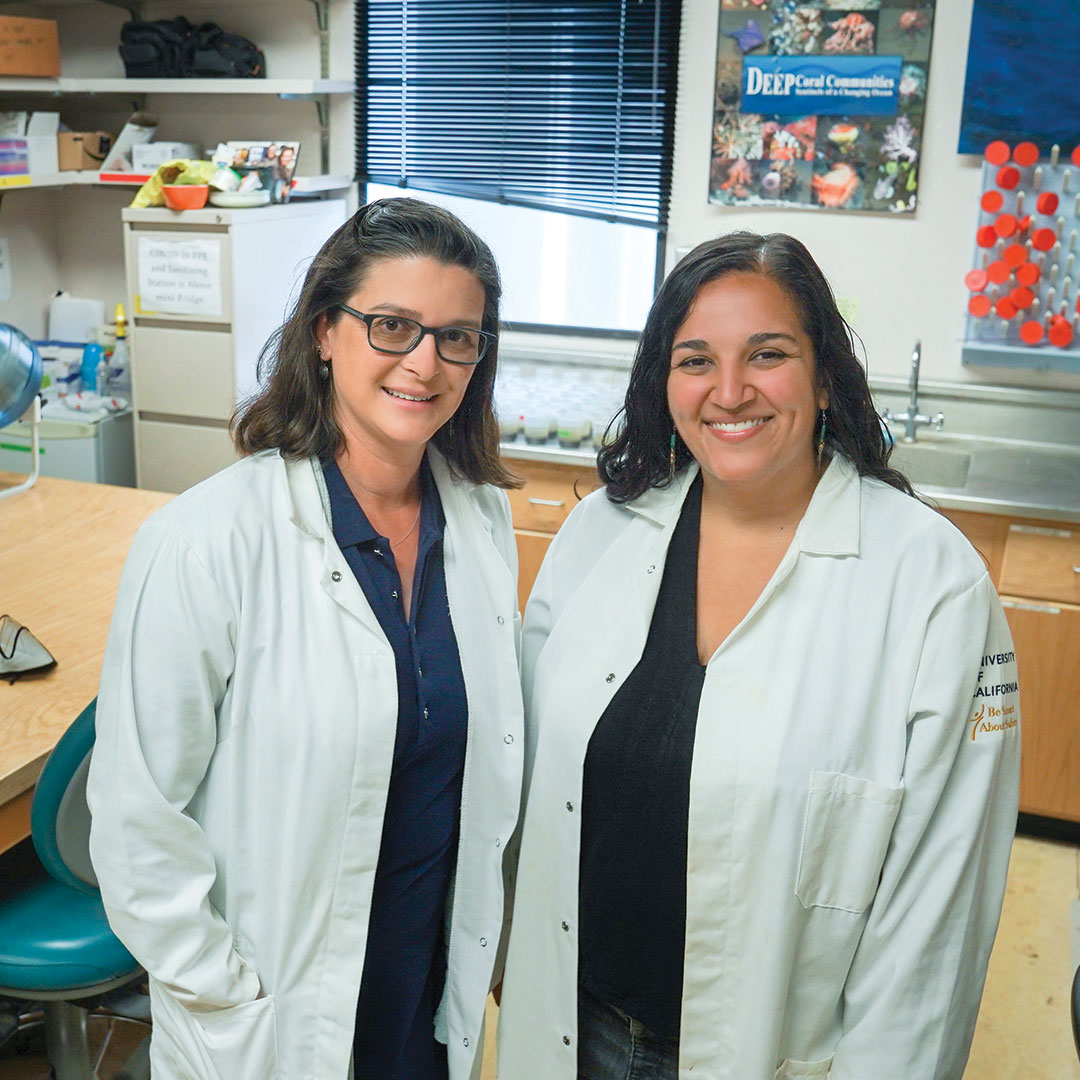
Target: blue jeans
<point>613,1046</point>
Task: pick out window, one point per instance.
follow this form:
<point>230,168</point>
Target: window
<point>548,127</point>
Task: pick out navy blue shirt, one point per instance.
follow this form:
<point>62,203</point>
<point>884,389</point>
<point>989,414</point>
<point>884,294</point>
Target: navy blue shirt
<point>405,965</point>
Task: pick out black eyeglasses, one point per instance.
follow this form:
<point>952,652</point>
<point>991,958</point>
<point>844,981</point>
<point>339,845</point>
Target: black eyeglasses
<point>394,334</point>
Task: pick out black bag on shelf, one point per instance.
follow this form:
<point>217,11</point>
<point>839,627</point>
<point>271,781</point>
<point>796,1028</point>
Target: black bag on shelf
<point>217,54</point>
<point>155,50</point>
<point>175,49</point>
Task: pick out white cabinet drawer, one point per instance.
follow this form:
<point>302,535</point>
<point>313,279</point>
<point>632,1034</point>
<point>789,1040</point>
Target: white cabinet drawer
<point>181,372</point>
<point>173,457</point>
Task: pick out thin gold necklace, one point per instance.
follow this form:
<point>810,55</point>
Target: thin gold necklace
<point>416,521</point>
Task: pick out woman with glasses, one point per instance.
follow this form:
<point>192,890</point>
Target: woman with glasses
<point>772,753</point>
<point>308,748</point>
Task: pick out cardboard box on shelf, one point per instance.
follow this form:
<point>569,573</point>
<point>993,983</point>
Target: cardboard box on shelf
<point>29,47</point>
<point>82,149</point>
<point>146,157</point>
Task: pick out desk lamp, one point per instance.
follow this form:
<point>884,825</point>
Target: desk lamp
<point>20,380</point>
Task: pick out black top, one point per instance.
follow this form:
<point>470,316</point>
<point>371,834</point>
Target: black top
<point>635,805</point>
<point>405,968</point>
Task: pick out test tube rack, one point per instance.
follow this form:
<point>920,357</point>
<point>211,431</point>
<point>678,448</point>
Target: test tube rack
<point>1023,308</point>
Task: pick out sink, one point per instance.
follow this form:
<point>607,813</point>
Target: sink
<point>926,465</point>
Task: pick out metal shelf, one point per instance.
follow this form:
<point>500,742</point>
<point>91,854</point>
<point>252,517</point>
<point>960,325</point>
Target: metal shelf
<point>302,185</point>
<point>280,87</point>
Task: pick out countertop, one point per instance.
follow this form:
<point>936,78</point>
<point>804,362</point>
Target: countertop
<point>1009,477</point>
<point>1002,450</point>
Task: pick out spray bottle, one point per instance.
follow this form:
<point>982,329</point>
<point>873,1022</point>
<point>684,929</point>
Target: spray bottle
<point>120,366</point>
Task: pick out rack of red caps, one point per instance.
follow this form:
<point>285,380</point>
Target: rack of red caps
<point>1014,276</point>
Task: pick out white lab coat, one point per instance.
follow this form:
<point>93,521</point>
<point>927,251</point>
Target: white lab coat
<point>850,820</point>
<point>245,733</point>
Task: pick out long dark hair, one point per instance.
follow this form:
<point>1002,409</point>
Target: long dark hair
<point>638,458</point>
<point>294,412</point>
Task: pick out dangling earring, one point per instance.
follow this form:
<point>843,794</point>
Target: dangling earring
<point>821,440</point>
<point>324,365</point>
<point>671,458</point>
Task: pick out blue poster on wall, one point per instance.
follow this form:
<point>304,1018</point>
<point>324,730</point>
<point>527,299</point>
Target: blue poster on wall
<point>1022,82</point>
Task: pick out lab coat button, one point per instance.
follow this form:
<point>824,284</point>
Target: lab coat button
<point>570,807</point>
<point>465,1041</point>
<point>483,943</point>
<point>650,569</point>
<point>566,927</point>
<point>425,713</point>
<point>508,739</point>
<point>500,619</point>
<point>498,842</point>
<point>610,677</point>
<point>336,575</point>
<point>566,1040</point>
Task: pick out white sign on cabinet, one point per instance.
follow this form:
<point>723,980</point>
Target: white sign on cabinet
<point>179,277</point>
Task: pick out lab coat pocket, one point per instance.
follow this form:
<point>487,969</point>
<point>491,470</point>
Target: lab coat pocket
<point>804,1070</point>
<point>237,1043</point>
<point>849,821</point>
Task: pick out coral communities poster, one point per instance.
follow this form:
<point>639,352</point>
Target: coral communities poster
<point>820,103</point>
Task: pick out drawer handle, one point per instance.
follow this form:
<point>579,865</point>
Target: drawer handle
<point>1076,569</point>
<point>546,502</point>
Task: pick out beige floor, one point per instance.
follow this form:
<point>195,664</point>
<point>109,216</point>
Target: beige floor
<point>1023,1031</point>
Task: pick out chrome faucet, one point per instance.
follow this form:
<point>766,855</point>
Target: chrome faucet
<point>911,418</point>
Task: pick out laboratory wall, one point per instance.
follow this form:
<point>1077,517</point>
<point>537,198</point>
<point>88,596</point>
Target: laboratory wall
<point>900,277</point>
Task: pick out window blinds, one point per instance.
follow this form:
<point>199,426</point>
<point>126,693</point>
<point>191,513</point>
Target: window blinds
<point>558,106</point>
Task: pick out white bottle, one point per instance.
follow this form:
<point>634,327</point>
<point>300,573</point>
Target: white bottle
<point>120,370</point>
<point>120,364</point>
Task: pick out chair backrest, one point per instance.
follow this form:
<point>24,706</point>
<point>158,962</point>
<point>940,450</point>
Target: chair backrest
<point>59,815</point>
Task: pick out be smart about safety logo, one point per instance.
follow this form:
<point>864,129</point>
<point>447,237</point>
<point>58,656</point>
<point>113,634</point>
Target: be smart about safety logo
<point>995,702</point>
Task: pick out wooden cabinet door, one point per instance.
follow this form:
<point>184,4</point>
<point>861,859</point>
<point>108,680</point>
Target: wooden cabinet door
<point>531,547</point>
<point>1047,639</point>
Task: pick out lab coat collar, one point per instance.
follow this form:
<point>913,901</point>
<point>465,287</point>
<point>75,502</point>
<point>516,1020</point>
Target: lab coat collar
<point>662,505</point>
<point>306,502</point>
<point>830,525</point>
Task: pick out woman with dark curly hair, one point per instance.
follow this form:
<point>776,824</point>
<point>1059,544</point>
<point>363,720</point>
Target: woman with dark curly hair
<point>308,756</point>
<point>766,826</point>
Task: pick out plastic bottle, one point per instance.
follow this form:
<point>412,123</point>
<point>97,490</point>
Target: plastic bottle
<point>101,375</point>
<point>93,357</point>
<point>120,364</point>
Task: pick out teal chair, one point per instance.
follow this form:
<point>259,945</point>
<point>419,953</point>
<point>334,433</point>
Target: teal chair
<point>57,953</point>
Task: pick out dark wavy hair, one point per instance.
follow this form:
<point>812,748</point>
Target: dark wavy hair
<point>294,411</point>
<point>638,458</point>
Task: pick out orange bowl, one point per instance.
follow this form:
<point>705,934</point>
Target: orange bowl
<point>185,196</point>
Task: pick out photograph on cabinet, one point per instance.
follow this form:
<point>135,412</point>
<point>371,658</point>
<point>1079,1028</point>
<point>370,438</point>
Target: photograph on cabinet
<point>820,105</point>
<point>266,167</point>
